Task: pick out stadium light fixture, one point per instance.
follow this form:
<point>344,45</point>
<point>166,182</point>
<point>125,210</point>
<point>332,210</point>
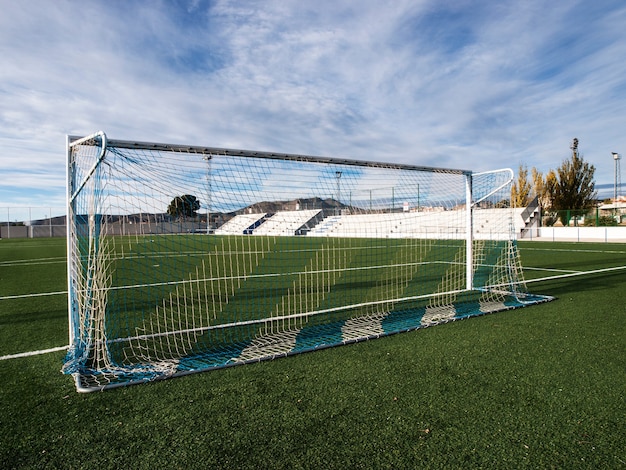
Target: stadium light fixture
<point>616,159</point>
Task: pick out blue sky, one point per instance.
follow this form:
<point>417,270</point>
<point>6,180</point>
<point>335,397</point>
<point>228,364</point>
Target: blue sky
<point>475,85</point>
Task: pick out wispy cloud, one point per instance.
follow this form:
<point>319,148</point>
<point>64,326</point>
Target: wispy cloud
<point>473,85</point>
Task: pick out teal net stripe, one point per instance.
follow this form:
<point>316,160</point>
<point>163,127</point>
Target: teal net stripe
<point>306,339</point>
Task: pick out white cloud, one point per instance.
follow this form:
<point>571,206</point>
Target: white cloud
<point>473,85</point>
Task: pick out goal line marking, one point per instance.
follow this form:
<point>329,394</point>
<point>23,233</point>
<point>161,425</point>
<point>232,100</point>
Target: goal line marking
<point>527,281</point>
<point>576,273</point>
<point>34,353</point>
<point>26,296</point>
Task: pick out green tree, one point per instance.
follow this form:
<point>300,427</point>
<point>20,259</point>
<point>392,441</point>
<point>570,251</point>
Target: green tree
<point>544,188</point>
<point>539,188</point>
<point>521,189</point>
<point>575,187</point>
<point>552,181</point>
<point>183,207</point>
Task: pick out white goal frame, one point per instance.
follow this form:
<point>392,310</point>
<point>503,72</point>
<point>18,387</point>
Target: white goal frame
<point>116,224</point>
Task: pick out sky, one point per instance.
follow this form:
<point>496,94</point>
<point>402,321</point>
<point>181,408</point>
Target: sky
<point>470,84</point>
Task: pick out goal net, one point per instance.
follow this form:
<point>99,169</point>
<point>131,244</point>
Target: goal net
<point>185,258</point>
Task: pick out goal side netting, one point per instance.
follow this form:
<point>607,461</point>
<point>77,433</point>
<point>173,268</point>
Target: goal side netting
<point>184,258</point>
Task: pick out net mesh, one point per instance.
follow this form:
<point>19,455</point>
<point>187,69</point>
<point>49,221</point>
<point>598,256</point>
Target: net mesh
<point>184,259</point>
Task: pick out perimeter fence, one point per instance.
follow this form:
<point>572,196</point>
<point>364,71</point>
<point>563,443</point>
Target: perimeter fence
<point>49,221</point>
<point>607,215</point>
<point>32,222</point>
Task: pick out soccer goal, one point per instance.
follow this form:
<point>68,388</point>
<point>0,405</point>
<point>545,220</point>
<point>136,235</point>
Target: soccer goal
<point>185,258</point>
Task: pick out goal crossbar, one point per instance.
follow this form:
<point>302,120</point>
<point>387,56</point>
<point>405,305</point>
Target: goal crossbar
<point>211,151</point>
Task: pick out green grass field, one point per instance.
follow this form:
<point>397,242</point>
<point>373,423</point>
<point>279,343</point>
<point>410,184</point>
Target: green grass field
<point>180,303</point>
<point>539,387</point>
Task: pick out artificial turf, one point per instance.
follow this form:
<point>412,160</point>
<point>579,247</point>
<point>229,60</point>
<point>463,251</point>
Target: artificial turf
<point>538,387</point>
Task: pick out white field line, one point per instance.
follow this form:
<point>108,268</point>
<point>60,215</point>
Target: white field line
<point>228,278</point>
<point>569,273</point>
<point>553,270</point>
<point>32,264</point>
<point>549,278</point>
<point>576,273</point>
<point>328,310</point>
<point>173,254</point>
<point>26,296</point>
<point>558,276</point>
<point>34,353</point>
<point>574,250</point>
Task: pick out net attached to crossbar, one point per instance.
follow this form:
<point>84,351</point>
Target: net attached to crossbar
<point>183,259</point>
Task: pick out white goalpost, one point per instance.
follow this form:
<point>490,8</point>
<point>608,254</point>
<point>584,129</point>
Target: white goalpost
<point>187,258</point>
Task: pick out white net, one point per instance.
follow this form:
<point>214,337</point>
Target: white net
<point>184,258</point>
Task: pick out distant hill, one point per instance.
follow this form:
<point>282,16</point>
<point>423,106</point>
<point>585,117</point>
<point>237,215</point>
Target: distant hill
<point>295,204</point>
<point>259,207</point>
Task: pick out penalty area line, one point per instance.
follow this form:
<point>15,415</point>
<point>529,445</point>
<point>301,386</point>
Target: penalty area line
<point>34,353</point>
<point>576,273</point>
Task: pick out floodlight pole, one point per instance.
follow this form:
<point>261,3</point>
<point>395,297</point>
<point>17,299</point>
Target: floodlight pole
<point>208,158</point>
<point>338,176</point>
<point>418,197</point>
<point>616,158</point>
